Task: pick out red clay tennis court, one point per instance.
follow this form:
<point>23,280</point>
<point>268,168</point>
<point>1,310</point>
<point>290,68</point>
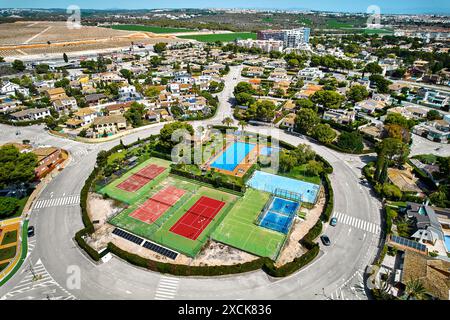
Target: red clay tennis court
<point>141,178</point>
<point>197,218</point>
<point>155,207</point>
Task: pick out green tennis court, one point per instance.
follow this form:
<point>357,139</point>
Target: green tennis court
<point>238,228</point>
<point>158,231</point>
<point>185,245</point>
<point>131,197</point>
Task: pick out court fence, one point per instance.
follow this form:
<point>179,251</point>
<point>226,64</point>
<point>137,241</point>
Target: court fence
<point>266,264</point>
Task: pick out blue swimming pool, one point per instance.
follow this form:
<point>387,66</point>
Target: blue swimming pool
<point>270,183</point>
<point>232,156</point>
<point>279,215</point>
<point>447,242</point>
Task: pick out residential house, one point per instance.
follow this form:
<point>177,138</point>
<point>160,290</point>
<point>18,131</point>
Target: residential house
<point>437,130</point>
<point>65,105</point>
<point>372,130</point>
<point>433,98</point>
<point>404,180</point>
<point>288,121</point>
<point>8,104</point>
<point>56,94</point>
<point>8,88</point>
<point>308,91</point>
<point>428,169</point>
<point>254,71</point>
<point>431,272</point>
<point>410,112</point>
<point>153,115</point>
<point>427,225</point>
<point>128,93</point>
<point>83,117</point>
<point>310,74</point>
<point>278,74</point>
<point>95,98</point>
<point>109,125</point>
<point>48,158</point>
<point>118,108</point>
<point>369,106</point>
<point>30,114</point>
<point>340,116</point>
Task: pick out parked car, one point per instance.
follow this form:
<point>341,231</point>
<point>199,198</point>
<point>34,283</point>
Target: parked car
<point>333,222</point>
<point>30,231</point>
<point>325,240</point>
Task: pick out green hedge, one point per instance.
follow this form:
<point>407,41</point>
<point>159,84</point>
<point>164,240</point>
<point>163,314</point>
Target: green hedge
<point>22,123</point>
<point>329,199</point>
<point>89,250</point>
<point>224,128</point>
<point>183,270</point>
<point>293,266</point>
<point>217,183</point>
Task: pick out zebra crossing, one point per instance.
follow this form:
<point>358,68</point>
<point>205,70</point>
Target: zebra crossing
<point>357,223</point>
<point>31,244</point>
<point>167,288</point>
<point>57,202</point>
<point>38,284</point>
<point>351,289</point>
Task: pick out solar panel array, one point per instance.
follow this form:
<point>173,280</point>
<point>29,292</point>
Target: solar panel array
<point>158,249</point>
<point>409,243</point>
<point>128,236</point>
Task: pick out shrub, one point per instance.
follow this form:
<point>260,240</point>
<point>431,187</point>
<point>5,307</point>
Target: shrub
<point>391,192</point>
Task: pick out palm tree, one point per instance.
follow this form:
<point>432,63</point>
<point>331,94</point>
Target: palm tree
<point>415,290</point>
<point>242,124</point>
<point>227,121</point>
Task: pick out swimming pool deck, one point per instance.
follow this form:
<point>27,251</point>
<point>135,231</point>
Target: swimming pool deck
<point>241,169</point>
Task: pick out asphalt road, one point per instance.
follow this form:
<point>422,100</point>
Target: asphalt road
<point>55,259</point>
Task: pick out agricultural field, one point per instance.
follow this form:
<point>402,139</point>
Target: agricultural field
<point>154,29</point>
<point>224,37</point>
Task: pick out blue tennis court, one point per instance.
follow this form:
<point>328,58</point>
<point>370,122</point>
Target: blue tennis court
<point>271,183</point>
<point>279,215</point>
<point>232,156</point>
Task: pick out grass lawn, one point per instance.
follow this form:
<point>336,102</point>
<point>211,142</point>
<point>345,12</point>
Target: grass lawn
<point>224,37</point>
<point>130,197</point>
<point>159,230</point>
<point>116,155</point>
<point>334,24</point>
<point>10,237</point>
<point>377,31</point>
<point>154,29</point>
<point>239,230</point>
<point>7,253</point>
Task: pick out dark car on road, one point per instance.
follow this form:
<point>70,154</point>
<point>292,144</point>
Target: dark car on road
<point>325,240</point>
<point>333,222</point>
<point>30,231</point>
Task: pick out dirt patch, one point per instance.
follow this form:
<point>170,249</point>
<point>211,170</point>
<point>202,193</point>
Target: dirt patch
<point>100,209</point>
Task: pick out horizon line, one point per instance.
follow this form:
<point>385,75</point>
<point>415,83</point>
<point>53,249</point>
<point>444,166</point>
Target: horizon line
<point>446,13</point>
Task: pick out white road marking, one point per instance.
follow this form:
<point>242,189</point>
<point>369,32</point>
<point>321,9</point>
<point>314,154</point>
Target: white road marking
<point>56,202</point>
<point>167,288</point>
<point>357,223</point>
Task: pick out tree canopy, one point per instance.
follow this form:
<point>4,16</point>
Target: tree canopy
<point>16,167</point>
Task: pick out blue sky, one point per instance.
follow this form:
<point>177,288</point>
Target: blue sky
<point>387,6</point>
